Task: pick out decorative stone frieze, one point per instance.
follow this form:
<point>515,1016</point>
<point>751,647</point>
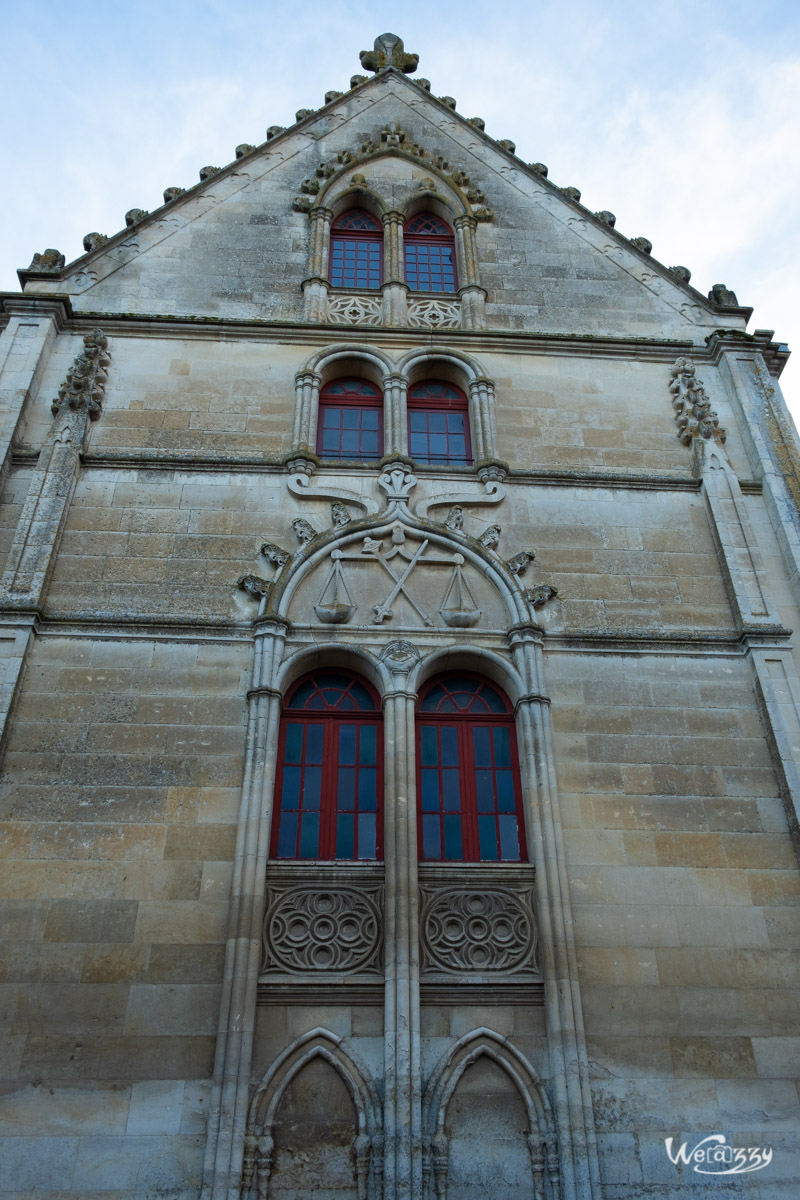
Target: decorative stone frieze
<point>490,537</point>
<point>434,314</point>
<point>354,310</point>
<point>85,384</point>
<point>313,928</point>
<point>693,412</point>
<point>477,930</point>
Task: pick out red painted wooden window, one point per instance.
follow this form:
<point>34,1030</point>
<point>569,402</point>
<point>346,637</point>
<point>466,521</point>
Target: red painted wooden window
<point>330,774</point>
<point>468,788</point>
<point>350,421</point>
<point>438,424</point>
<point>430,253</point>
<point>356,251</point>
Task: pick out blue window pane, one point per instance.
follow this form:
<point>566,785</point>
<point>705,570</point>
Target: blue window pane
<point>330,441</point>
<point>350,440</point>
<point>458,448</point>
<point>361,697</point>
<point>502,747</point>
<point>350,418</point>
<point>455,423</point>
<point>431,701</point>
<point>367,789</point>
<point>314,739</point>
<point>344,836</point>
<point>347,745</point>
<point>369,445</point>
<point>482,747</point>
<point>509,839</point>
<point>294,743</point>
<point>290,793</point>
<point>430,791</point>
<point>301,696</point>
<point>487,839</point>
<point>449,746</point>
<point>419,446</point>
<point>369,418</point>
<point>312,787</point>
<point>429,750</point>
<point>484,789</point>
<point>437,422</point>
<point>419,422</point>
<point>438,445</point>
<point>367,843</point>
<point>452,839</point>
<point>309,835</point>
<point>431,840</point>
<point>287,835</point>
<point>504,782</point>
<point>451,790</point>
<point>367,745</point>
<point>346,789</point>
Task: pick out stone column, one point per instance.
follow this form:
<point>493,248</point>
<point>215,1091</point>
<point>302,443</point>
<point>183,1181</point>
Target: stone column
<point>402,1098</point>
<point>394,288</point>
<point>472,295</point>
<point>572,1101</point>
<point>482,420</point>
<point>306,412</point>
<point>227,1119</point>
<point>44,514</point>
<point>395,415</point>
<point>25,347</point>
<point>315,288</point>
<point>769,437</point>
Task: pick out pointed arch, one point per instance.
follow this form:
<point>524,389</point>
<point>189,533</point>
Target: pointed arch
<point>467,1050</point>
<point>317,1043</point>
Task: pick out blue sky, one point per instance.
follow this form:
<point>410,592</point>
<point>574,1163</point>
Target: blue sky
<point>682,118</point>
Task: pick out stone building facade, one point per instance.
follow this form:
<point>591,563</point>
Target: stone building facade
<point>400,704</point>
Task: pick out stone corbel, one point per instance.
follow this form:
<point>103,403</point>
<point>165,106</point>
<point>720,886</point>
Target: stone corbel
<point>493,493</point>
<point>300,485</point>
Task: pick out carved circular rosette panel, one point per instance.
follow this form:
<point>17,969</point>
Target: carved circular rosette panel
<point>477,931</point>
<point>313,929</point>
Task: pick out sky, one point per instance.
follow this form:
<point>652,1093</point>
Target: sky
<point>680,116</point>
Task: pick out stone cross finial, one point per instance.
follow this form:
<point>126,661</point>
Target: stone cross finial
<point>389,51</point>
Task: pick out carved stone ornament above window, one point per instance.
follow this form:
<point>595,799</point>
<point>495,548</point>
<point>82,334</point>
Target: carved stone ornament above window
<point>85,384</point>
<point>388,51</point>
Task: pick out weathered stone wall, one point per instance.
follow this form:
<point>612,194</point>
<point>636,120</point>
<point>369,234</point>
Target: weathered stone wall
<point>119,801</point>
<point>684,884</point>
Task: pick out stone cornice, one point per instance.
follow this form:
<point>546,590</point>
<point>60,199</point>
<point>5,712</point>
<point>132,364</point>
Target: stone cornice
<point>582,345</point>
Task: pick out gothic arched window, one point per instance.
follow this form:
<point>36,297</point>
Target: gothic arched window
<point>430,253</point>
<point>438,424</point>
<point>356,250</point>
<point>468,787</point>
<point>329,781</point>
<point>350,421</point>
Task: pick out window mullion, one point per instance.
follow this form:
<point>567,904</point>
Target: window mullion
<point>469,819</point>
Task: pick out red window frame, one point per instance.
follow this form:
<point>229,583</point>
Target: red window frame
<point>441,448</point>
<point>350,399</point>
<point>429,250</point>
<point>462,791</point>
<point>320,779</point>
<point>356,252</point>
